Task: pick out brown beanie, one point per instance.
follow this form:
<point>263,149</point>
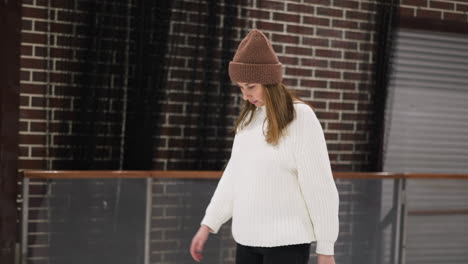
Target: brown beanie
<point>255,61</point>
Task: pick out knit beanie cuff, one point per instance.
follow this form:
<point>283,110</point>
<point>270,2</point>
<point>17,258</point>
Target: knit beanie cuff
<point>255,73</point>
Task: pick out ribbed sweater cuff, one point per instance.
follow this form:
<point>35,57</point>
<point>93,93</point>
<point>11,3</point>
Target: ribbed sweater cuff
<point>211,223</point>
<point>325,248</point>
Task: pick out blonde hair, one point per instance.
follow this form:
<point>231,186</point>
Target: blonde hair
<point>279,111</point>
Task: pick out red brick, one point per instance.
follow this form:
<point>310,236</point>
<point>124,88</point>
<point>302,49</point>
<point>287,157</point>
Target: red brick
<point>344,44</point>
<point>40,26</point>
<point>345,24</point>
<point>26,24</point>
<point>343,65</point>
<point>354,116</point>
<point>320,21</point>
<point>278,48</point>
<point>418,3</point>
<point>340,126</point>
<point>331,136</point>
<point>455,16</point>
<point>26,50</point>
<point>255,13</point>
<point>298,72</point>
<point>59,77</point>
<point>25,76</point>
<point>33,38</point>
<point>286,17</point>
<point>288,60</point>
<point>299,51</point>
<point>315,41</point>
<point>23,126</point>
<point>24,151</point>
<point>277,5</point>
<point>442,5</point>
<point>428,13</point>
<point>299,8</point>
<point>31,164</point>
<point>31,12</point>
<point>346,4</point>
<point>353,157</point>
<point>303,30</point>
<point>365,66</point>
<point>326,95</point>
<point>328,53</point>
<point>349,55</point>
<point>24,100</point>
<point>318,104</point>
<point>367,6</point>
<point>363,106</point>
<point>366,46</point>
<point>327,115</point>
<point>353,136</point>
<point>357,35</point>
<point>40,51</point>
<point>366,26</point>
<point>329,33</point>
<point>33,63</point>
<point>32,88</point>
<point>32,114</point>
<point>332,12</point>
<point>74,17</point>
<point>356,76</point>
<point>462,7</point>
<point>359,15</point>
<point>61,28</point>
<point>280,38</point>
<point>327,74</point>
<point>262,25</point>
<point>32,139</point>
<point>38,152</point>
<point>351,96</point>
<point>318,2</point>
<point>301,93</point>
<point>39,76</point>
<point>314,63</point>
<point>340,147</point>
<point>342,85</point>
<point>314,83</point>
<point>38,126</point>
<point>290,81</point>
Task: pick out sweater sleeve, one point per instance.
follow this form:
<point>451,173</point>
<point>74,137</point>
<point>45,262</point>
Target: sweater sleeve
<point>316,179</point>
<point>219,210</point>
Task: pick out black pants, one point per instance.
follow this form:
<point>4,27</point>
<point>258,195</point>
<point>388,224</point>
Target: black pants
<point>291,254</point>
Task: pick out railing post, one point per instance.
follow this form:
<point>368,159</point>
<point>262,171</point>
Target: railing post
<point>149,204</point>
<point>403,219</point>
<point>24,220</point>
<point>399,232</point>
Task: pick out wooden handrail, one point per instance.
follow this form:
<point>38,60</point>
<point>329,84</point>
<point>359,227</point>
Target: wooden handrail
<point>102,174</point>
<point>438,212</point>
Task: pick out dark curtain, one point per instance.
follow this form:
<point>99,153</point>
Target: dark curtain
<point>367,228</point>
<point>117,71</point>
<point>209,80</point>
<point>126,52</point>
<point>386,18</point>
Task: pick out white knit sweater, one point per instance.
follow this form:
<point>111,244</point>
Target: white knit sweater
<point>278,195</point>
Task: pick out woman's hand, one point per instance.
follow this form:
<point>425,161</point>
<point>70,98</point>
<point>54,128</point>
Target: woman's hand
<point>325,259</point>
<point>198,242</point>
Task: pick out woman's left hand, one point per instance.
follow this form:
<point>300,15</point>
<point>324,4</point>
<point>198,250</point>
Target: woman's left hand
<point>325,259</point>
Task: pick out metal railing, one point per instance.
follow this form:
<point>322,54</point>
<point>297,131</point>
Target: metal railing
<point>397,216</point>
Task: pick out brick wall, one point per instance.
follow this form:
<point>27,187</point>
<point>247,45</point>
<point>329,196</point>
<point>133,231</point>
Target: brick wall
<point>325,45</point>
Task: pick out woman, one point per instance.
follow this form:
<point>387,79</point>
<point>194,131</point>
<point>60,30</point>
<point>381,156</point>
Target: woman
<point>278,185</point>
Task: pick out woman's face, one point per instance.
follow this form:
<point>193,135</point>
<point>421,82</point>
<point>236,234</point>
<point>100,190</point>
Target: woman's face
<point>252,92</point>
